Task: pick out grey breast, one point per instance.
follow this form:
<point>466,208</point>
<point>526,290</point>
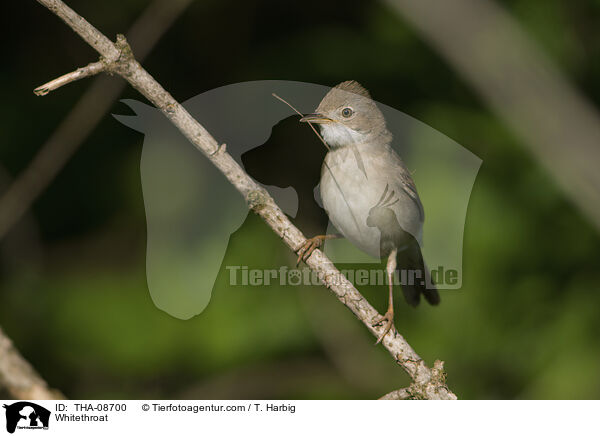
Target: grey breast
<point>369,196</point>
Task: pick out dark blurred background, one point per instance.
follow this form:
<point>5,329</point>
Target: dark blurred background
<point>73,293</point>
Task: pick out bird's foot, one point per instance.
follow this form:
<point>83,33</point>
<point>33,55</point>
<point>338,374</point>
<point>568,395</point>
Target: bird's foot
<point>387,321</point>
<point>310,245</point>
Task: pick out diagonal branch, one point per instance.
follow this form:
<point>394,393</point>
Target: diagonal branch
<point>120,61</point>
<point>18,376</point>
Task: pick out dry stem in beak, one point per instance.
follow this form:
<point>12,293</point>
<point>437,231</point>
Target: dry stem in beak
<point>315,118</point>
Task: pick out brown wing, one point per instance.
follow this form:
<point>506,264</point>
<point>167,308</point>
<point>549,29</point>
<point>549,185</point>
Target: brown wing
<point>408,184</point>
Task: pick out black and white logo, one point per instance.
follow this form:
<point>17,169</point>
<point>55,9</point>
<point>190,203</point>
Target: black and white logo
<point>26,415</point>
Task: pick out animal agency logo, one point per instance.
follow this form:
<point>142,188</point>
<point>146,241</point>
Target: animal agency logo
<point>26,416</point>
<point>192,210</point>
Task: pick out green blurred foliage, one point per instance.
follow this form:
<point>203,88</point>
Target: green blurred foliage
<point>73,291</point>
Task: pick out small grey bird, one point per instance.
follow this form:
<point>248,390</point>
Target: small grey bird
<point>369,194</point>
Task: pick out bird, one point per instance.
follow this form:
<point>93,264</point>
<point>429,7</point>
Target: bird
<point>369,194</point>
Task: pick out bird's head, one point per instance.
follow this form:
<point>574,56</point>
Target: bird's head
<point>347,115</point>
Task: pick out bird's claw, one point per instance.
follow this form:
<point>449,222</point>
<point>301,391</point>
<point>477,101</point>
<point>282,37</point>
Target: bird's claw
<point>387,321</point>
<point>308,247</point>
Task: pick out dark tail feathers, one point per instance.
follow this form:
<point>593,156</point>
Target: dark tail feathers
<point>415,277</point>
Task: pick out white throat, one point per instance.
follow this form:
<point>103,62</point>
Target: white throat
<point>338,135</point>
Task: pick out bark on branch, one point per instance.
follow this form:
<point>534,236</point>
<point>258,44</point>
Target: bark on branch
<point>80,73</point>
<point>18,376</point>
<point>400,394</point>
<point>120,60</point>
<point>421,391</point>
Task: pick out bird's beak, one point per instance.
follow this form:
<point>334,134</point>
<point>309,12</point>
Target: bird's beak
<point>315,118</point>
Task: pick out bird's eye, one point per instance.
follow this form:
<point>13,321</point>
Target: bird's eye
<point>347,112</point>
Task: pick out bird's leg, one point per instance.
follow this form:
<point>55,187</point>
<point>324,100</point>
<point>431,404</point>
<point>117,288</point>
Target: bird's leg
<point>312,244</point>
<point>388,319</point>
